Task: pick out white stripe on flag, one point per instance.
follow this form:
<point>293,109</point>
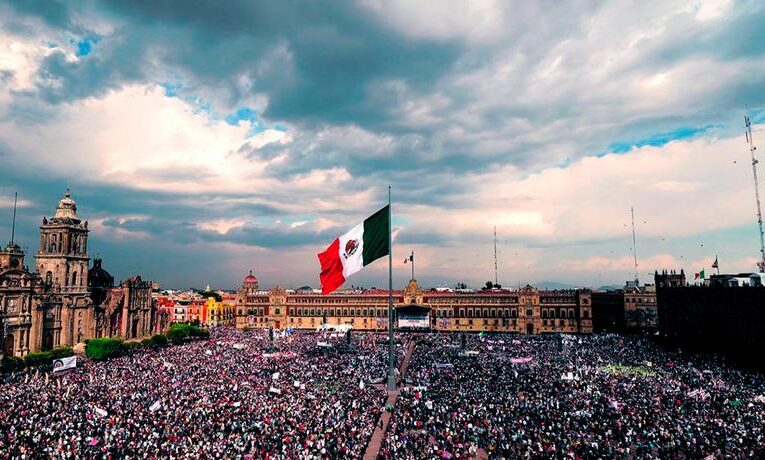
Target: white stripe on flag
<point>352,255</point>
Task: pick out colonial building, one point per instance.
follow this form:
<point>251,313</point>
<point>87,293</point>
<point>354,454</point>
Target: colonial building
<point>527,310</point>
<point>218,312</point>
<point>65,301</point>
<point>631,309</point>
<point>62,262</point>
<point>248,302</point>
<point>640,308</point>
<point>18,302</point>
<point>128,311</point>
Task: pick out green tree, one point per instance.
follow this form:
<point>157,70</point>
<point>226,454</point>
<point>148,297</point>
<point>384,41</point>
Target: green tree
<point>38,358</point>
<point>12,364</point>
<point>104,348</point>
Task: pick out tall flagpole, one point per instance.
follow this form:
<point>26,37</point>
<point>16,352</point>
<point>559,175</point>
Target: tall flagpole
<point>412,260</point>
<point>391,360</point>
<point>13,227</point>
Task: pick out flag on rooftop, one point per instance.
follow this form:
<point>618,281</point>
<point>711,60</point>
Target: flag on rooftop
<point>349,253</point>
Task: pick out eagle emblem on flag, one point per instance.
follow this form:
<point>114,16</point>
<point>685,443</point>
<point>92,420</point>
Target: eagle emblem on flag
<point>350,247</point>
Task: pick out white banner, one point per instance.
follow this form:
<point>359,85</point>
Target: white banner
<point>275,390</point>
<point>64,363</point>
<point>413,322</point>
<point>156,406</point>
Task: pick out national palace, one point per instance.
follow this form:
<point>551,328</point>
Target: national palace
<point>527,310</point>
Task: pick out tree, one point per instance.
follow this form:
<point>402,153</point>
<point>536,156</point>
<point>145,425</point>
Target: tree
<point>207,294</point>
<point>489,285</point>
<point>461,286</point>
<point>104,348</point>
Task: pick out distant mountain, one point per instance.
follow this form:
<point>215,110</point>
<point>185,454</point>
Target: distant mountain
<point>610,287</point>
<point>553,285</point>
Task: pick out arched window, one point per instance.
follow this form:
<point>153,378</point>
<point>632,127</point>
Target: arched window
<point>74,279</point>
<point>48,278</point>
<point>53,247</point>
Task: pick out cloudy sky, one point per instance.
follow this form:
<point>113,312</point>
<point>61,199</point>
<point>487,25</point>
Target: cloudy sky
<point>202,139</point>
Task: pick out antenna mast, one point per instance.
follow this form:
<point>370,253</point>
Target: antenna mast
<point>634,246</point>
<point>495,255</point>
<point>13,226</point>
<point>752,148</point>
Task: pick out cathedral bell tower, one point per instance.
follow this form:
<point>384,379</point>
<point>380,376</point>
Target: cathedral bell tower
<point>62,260</point>
<point>62,263</point>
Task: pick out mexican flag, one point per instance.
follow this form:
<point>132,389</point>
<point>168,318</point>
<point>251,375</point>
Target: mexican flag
<point>362,245</point>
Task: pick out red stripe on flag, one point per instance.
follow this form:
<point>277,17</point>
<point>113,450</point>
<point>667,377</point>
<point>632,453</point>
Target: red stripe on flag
<point>331,275</point>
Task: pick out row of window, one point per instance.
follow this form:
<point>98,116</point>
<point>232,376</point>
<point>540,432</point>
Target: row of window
<point>649,300</point>
<point>442,313</point>
<point>551,313</point>
<point>474,300</point>
<point>567,300</point>
<point>437,301</point>
<point>561,322</point>
<point>340,312</point>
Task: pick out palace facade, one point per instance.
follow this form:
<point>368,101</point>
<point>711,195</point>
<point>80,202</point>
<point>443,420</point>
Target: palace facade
<point>525,311</point>
<point>64,301</point>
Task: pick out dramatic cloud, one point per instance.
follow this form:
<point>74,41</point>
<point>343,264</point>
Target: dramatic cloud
<point>202,140</point>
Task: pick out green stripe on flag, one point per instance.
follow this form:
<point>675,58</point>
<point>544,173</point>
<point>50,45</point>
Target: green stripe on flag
<point>376,236</point>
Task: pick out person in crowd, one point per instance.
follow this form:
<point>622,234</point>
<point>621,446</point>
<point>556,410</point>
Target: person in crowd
<point>597,397</point>
<point>218,398</point>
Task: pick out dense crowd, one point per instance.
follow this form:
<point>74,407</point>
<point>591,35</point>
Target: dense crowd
<point>573,397</point>
<point>310,395</point>
<point>232,396</point>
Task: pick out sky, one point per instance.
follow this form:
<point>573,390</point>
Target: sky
<point>203,139</point>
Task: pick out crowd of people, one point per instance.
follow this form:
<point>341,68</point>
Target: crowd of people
<point>573,397</point>
<point>232,396</point>
<point>241,395</point>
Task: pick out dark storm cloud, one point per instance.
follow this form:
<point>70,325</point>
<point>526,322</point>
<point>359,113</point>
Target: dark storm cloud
<point>330,65</point>
<point>386,104</point>
<point>273,236</point>
<point>334,54</point>
<point>55,13</point>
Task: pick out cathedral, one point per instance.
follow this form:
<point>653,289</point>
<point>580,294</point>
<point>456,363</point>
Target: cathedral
<point>65,301</point>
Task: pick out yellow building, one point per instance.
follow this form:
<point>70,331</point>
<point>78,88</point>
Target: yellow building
<point>218,312</point>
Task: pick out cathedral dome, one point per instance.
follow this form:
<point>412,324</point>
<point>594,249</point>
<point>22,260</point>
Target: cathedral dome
<point>250,278</point>
<point>67,208</point>
<point>98,277</point>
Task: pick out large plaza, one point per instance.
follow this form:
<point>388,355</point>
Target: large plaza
<point>314,395</point>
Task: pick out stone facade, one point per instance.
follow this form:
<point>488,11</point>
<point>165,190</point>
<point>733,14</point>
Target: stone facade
<point>128,311</point>
<point>526,311</point>
<point>640,311</point>
<point>62,303</point>
<point>18,303</point>
<point>62,262</point>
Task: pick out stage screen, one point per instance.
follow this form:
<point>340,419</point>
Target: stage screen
<point>414,320</point>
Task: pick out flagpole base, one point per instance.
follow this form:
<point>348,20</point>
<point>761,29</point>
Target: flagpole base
<point>391,382</point>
